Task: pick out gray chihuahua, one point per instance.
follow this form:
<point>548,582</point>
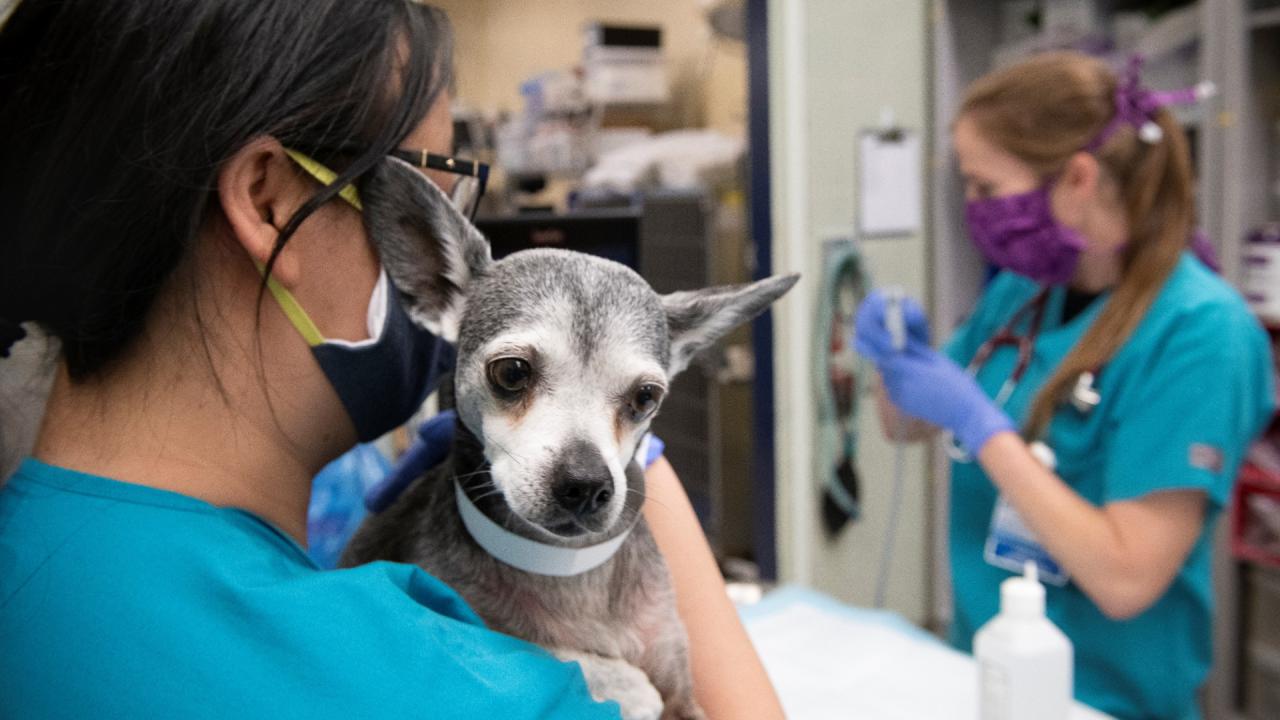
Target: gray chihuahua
<point>534,518</point>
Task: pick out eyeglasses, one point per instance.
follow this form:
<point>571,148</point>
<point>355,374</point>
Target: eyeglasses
<point>468,188</point>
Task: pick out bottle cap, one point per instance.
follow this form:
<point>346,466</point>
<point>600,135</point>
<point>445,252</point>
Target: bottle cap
<point>1023,596</point>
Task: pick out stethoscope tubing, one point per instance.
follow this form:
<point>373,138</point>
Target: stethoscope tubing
<point>1084,396</point>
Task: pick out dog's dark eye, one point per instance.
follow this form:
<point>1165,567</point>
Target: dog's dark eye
<point>510,375</point>
<point>645,401</point>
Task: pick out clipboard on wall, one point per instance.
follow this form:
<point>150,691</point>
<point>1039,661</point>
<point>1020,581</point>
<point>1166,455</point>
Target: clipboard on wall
<point>890,183</point>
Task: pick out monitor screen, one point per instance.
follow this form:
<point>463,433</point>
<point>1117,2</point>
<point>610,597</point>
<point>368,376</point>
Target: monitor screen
<point>612,234</point>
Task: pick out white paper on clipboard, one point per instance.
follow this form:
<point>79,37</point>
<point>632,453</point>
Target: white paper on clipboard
<point>890,197</point>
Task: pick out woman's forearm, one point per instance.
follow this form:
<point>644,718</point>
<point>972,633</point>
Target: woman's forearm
<point>728,678</point>
<point>1123,555</point>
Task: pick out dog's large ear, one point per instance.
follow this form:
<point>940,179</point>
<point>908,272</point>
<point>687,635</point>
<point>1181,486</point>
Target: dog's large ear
<point>429,249</point>
<point>698,318</point>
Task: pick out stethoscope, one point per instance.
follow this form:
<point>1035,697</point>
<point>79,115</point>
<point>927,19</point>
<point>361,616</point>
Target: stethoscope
<point>1084,395</point>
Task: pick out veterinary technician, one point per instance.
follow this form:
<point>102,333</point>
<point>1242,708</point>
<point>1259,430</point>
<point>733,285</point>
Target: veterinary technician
<point>150,549</point>
<point>1103,392</point>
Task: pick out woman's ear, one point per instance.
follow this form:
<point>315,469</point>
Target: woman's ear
<point>259,190</point>
<point>1076,188</point>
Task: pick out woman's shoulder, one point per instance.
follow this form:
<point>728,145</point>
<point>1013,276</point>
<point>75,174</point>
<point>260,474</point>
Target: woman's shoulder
<point>67,532</point>
<point>1196,300</point>
<point>1200,334</point>
<point>396,637</point>
<point>215,598</point>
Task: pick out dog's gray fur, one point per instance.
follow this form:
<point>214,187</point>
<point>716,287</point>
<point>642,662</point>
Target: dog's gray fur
<point>592,329</point>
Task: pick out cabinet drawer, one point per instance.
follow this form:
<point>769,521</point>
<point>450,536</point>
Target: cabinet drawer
<point>1263,594</point>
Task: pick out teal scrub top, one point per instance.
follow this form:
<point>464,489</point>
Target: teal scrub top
<point>123,601</point>
<point>1181,400</point>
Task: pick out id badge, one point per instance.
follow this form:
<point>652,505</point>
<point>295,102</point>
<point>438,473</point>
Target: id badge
<point>1011,543</point>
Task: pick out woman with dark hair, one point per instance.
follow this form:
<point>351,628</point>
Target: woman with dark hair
<point>151,175</point>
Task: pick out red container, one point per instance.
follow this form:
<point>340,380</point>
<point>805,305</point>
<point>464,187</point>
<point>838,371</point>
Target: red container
<point>1250,539</point>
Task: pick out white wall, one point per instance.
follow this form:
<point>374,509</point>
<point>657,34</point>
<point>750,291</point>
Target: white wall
<point>501,43</point>
<point>834,65</point>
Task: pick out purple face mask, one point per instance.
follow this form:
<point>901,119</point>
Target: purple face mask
<point>1019,233</point>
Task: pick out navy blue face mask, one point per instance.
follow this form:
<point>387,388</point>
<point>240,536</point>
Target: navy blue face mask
<point>381,381</point>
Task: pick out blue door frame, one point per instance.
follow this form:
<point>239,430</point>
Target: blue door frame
<point>764,501</point>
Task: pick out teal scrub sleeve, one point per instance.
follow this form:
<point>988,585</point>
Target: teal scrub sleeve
<point>1204,397</point>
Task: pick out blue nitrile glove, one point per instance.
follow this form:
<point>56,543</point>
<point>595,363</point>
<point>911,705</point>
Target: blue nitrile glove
<point>653,447</point>
<point>435,437</point>
<point>335,510</point>
<point>922,382</point>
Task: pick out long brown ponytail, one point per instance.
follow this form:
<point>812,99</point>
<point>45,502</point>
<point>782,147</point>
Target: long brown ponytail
<point>1043,111</point>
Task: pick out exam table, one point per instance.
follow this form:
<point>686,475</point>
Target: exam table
<point>831,660</point>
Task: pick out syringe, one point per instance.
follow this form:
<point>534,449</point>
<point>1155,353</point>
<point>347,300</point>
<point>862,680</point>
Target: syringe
<point>896,323</point>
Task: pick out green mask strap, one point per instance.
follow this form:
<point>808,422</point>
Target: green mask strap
<point>292,310</point>
<point>285,299</point>
<point>326,177</point>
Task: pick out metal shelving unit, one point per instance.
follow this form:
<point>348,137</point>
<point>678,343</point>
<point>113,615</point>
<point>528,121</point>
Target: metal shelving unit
<point>1264,18</point>
<point>1248,46</point>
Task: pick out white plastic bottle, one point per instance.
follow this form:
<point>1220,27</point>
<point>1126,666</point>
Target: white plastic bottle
<point>1024,660</point>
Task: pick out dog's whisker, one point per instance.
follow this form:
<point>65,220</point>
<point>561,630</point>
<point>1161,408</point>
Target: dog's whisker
<point>580,526</point>
<point>517,460</point>
<point>506,522</point>
<point>487,486</point>
<point>520,462</point>
<point>482,487</point>
<point>641,493</point>
<point>649,498</point>
<point>490,493</point>
<point>464,476</point>
<point>480,469</point>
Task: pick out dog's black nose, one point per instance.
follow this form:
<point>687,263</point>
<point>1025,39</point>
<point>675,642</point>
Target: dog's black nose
<point>582,497</point>
<point>583,483</point>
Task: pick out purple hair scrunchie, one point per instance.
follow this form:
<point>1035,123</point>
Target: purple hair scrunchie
<point>1136,106</point>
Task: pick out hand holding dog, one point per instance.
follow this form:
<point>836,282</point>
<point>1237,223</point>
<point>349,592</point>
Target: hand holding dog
<point>922,382</point>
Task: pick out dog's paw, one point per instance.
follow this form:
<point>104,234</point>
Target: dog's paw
<point>620,681</point>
